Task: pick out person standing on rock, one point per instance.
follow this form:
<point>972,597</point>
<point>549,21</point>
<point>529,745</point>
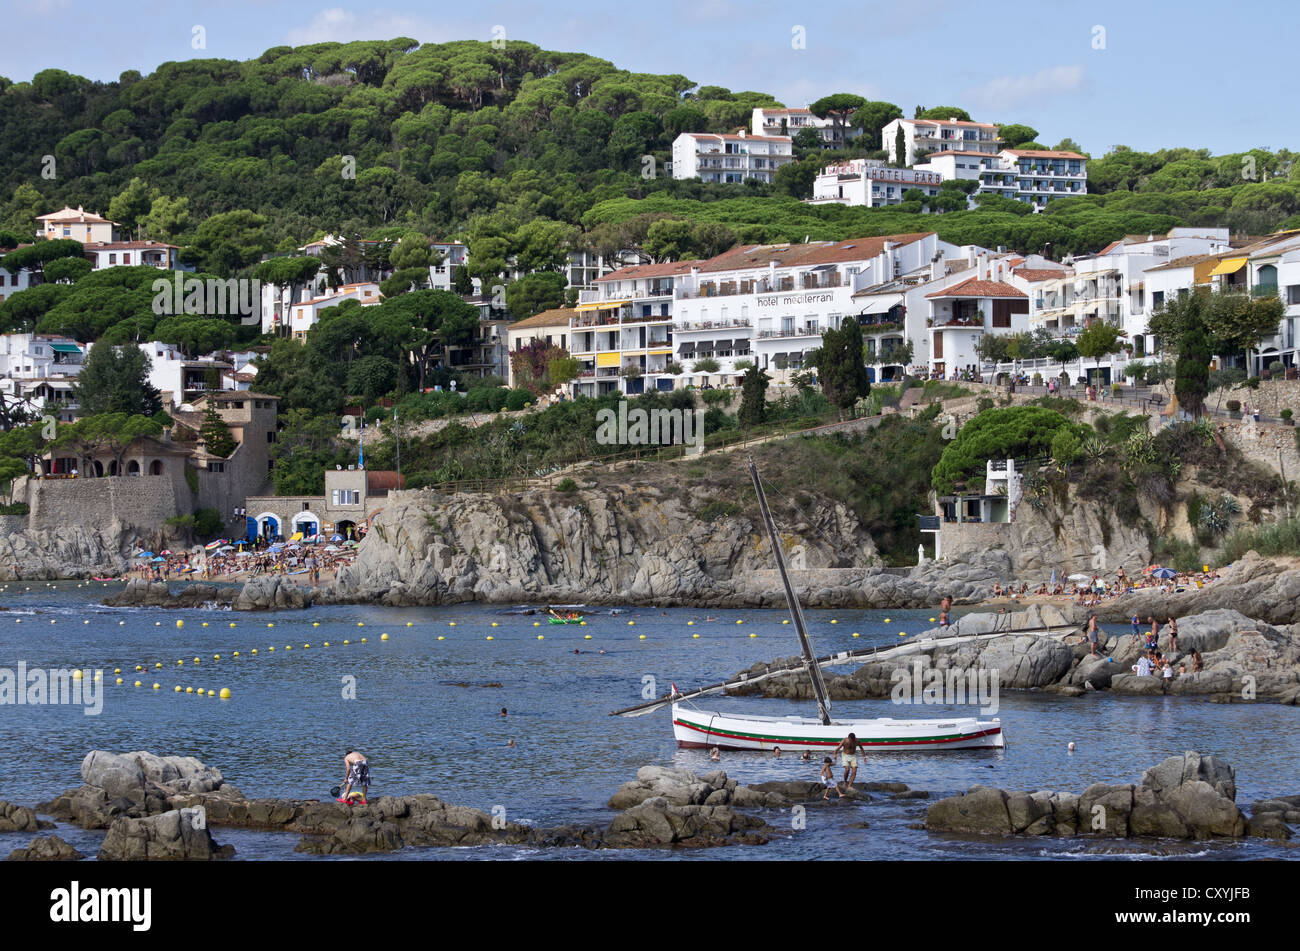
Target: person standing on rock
<point>1154,636</point>
<point>1094,634</point>
<point>1173,635</point>
<point>945,606</point>
<point>828,779</point>
<point>356,772</point>
<point>848,749</point>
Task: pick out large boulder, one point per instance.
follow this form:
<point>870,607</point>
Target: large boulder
<point>1105,809</point>
<point>270,593</point>
<point>982,810</point>
<point>181,834</point>
<point>15,818</point>
<point>1166,776</point>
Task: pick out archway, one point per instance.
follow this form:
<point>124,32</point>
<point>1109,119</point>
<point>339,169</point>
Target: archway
<point>133,467</point>
<point>268,525</point>
<point>156,467</point>
<point>307,523</point>
<point>96,469</point>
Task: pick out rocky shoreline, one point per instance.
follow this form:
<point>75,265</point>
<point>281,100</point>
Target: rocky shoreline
<point>1244,660</point>
<point>1185,797</point>
<point>156,808</point>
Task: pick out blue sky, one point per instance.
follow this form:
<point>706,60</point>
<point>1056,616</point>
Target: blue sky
<point>1199,73</point>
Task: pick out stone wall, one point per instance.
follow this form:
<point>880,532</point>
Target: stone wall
<point>1270,444</point>
<point>1272,397</point>
<point>959,539</point>
<point>12,525</point>
<point>140,502</point>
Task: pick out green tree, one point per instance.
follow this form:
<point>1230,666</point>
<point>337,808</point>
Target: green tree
<point>838,107</point>
<point>1192,369</point>
<point>115,379</point>
<point>1097,340</point>
<point>943,113</point>
<point>130,206</point>
<point>216,435</point>
<point>872,118</point>
<point>753,397</point>
<point>1015,431</point>
<point>534,293</point>
<point>1013,135</point>
<point>840,366</point>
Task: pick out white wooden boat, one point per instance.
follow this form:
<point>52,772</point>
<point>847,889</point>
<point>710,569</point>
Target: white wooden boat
<point>731,731</point>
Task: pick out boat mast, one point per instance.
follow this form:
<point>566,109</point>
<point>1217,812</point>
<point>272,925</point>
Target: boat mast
<point>796,612</point>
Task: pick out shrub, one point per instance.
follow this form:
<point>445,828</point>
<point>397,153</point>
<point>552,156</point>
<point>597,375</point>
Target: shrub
<point>1066,447</point>
<point>1253,382</point>
<point>207,523</point>
<point>998,434</point>
<point>17,508</point>
<point>674,369</point>
<point>1277,368</point>
<point>517,399</point>
<point>1234,406</point>
<point>1038,379</point>
<point>566,485</point>
<point>716,397</point>
<point>1286,414</point>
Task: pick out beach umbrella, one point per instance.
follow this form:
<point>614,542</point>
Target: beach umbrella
<point>1164,573</point>
<point>165,551</point>
<point>336,537</point>
<point>212,546</point>
<point>1079,577</point>
<point>145,554</point>
<point>225,548</point>
<point>159,558</point>
<point>333,548</point>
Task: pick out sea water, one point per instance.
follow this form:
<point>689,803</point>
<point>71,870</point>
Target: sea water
<point>427,713</point>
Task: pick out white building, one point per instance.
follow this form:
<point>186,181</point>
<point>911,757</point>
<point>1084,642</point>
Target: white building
<point>1029,175</point>
<point>730,158</point>
<point>37,356</point>
<point>790,122</point>
<point>962,314</point>
<point>454,255</point>
<point>934,135</point>
<point>179,379</point>
<point>133,254</point>
<point>870,183</point>
<point>287,319</point>
<point>13,283</point>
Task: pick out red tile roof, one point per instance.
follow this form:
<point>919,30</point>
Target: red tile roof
<point>1039,273</point>
<point>974,287</point>
<point>126,245</point>
<point>801,255</point>
<point>637,271</point>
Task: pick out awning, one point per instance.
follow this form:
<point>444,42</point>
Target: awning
<point>882,303</point>
<point>297,536</point>
<point>1229,266</point>
<point>722,345</point>
<point>610,359</point>
<point>687,348</point>
<point>602,305</point>
<point>704,346</point>
<point>65,348</point>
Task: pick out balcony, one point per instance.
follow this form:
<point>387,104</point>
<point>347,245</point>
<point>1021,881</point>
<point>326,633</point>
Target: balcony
<point>804,332</point>
<point>713,324</point>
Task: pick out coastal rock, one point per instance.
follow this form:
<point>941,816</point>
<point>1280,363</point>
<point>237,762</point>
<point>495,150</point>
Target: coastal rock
<point>71,551</point>
<point>46,848</point>
<point>140,592</point>
<point>270,593</point>
<point>15,818</point>
<point>1269,825</point>
<point>181,834</point>
<point>982,811</point>
<point>1183,797</point>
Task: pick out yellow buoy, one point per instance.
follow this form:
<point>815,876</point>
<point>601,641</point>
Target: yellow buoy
<point>348,642</point>
<point>205,623</point>
<point>833,621</point>
<point>489,637</point>
<point>119,680</point>
<point>235,654</point>
<point>177,688</point>
<point>361,624</point>
<point>786,621</point>
<point>232,623</point>
<point>740,622</point>
<point>855,633</point>
<point>137,683</point>
<point>306,647</point>
<point>212,693</point>
<point>383,637</point>
<point>640,637</point>
<point>494,623</point>
<point>138,667</point>
<point>225,693</point>
<point>363,640</point>
<point>441,638</point>
<point>931,620</point>
<point>254,650</point>
<point>586,637</point>
<point>753,634</point>
<point>886,620</point>
<point>327,643</point>
<point>902,633</point>
<point>582,624</point>
<point>216,657</point>
<point>696,636</point>
<point>180,623</point>
<point>690,623</point>
<point>270,648</point>
<point>99,675</point>
<point>541,637</point>
<point>181,663</point>
<point>315,623</point>
<point>270,625</point>
<point>157,666</point>
<point>189,689</point>
<point>196,660</point>
<point>117,670</point>
<point>288,647</point>
<point>157,686</point>
<point>451,623</point>
<point>537,624</point>
<point>410,624</point>
<point>76,674</point>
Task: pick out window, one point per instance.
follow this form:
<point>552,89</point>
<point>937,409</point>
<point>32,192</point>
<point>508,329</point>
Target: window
<point>216,467</point>
<point>270,436</point>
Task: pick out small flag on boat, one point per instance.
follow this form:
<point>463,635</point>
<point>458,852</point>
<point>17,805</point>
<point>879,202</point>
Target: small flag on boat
<point>675,693</point>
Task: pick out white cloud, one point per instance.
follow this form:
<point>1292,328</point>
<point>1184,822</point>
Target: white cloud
<point>1009,92</point>
<point>337,25</point>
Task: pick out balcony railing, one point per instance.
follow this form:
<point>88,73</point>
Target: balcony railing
<point>714,324</point>
<point>803,332</point>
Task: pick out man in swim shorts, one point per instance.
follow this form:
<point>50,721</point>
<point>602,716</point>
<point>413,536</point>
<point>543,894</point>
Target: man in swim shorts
<point>356,772</point>
<point>848,749</point>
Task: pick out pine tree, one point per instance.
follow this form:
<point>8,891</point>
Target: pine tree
<point>753,397</point>
<point>900,147</point>
<point>216,434</point>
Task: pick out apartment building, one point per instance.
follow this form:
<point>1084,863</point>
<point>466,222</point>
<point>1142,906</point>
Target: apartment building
<point>622,330</point>
<point>13,283</point>
<point>453,256</point>
<point>1033,176</point>
<point>935,135</point>
<point>179,379</point>
<point>960,316</point>
<point>870,183</point>
<point>790,122</point>
<point>730,158</point>
<point>38,372</point>
<point>551,327</point>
